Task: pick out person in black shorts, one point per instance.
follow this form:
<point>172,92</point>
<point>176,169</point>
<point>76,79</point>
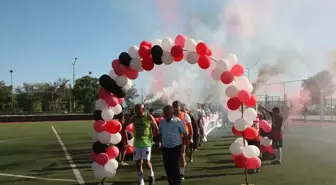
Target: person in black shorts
<point>276,134</point>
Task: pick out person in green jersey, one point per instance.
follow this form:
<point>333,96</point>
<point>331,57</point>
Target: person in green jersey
<point>144,124</point>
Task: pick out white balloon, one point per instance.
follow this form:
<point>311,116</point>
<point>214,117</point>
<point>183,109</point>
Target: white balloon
<point>167,44</point>
<point>112,74</point>
<point>95,136</point>
<point>121,81</point>
<point>115,138</point>
<point>140,70</point>
<point>167,58</point>
<point>232,59</point>
<point>107,114</point>
<point>100,104</point>
<point>240,124</point>
<point>222,64</point>
<point>256,149</point>
<point>130,142</point>
<point>136,64</point>
<point>265,141</point>
<point>190,44</point>
<point>232,90</point>
<point>133,51</point>
<point>111,165</point>
<point>104,137</point>
<point>236,148</point>
<point>216,74</point>
<point>157,42</point>
<point>128,86</point>
<point>242,82</point>
<point>250,88</point>
<point>249,152</point>
<point>241,141</point>
<point>117,109</point>
<point>234,115</point>
<point>98,170</point>
<point>192,57</point>
<point>250,114</point>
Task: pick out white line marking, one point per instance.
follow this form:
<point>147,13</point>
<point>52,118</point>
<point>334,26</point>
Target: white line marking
<point>2,141</point>
<point>78,176</point>
<point>38,178</point>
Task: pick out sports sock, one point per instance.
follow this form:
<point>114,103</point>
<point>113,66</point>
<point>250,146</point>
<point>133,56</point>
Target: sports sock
<point>140,176</point>
<point>151,172</point>
<point>182,171</point>
<point>280,154</point>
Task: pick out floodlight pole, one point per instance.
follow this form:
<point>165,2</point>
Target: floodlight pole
<point>11,74</point>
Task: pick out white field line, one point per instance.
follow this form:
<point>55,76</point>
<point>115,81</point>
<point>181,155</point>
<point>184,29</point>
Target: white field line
<point>78,176</point>
<point>37,178</point>
<point>2,141</point>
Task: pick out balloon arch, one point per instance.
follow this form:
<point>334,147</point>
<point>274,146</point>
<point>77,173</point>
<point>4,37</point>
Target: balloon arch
<point>125,69</point>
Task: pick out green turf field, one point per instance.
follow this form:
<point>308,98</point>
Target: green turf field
<point>31,149</point>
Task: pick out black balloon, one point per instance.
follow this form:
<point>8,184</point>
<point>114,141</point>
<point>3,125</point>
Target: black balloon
<point>156,51</point>
<point>97,115</point>
<point>99,147</point>
<point>125,58</point>
<point>111,86</point>
<point>158,61</point>
<point>129,135</point>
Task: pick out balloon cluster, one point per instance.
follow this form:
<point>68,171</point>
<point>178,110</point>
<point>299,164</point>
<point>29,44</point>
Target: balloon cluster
<point>265,142</point>
<point>239,91</point>
<point>144,57</point>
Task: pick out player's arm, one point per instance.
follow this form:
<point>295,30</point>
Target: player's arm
<point>190,127</point>
<point>266,110</point>
<point>129,120</point>
<point>159,136</point>
<point>153,122</point>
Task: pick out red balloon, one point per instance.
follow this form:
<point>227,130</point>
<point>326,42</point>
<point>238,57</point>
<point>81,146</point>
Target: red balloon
<point>115,63</point>
<point>265,126</point>
<point>121,100</point>
<point>145,43</point>
<point>176,51</point>
<point>204,62</point>
<point>103,94</point>
<point>144,51</point>
<point>244,95</point>
<point>250,133</point>
<point>209,52</point>
<point>180,40</point>
<point>102,159</point>
<point>234,156</point>
<point>251,102</point>
<point>99,125</point>
<point>202,48</point>
<point>233,103</point>
<point>178,59</point>
<point>120,69</point>
<point>240,161</point>
<point>270,150</point>
<point>253,163</point>
<point>236,132</point>
<point>132,74</point>
<point>130,127</point>
<point>113,126</point>
<point>129,150</point>
<point>227,77</point>
<point>263,149</point>
<point>93,156</point>
<point>238,70</point>
<point>112,152</point>
<point>112,100</point>
<point>147,64</point>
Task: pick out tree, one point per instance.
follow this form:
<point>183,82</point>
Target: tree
<point>130,96</point>
<point>156,104</point>
<point>5,97</point>
<point>85,92</point>
<point>322,80</point>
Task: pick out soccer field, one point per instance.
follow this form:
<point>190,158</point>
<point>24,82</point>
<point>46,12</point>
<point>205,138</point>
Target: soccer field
<point>31,154</point>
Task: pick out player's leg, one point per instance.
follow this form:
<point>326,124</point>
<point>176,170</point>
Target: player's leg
<point>146,156</point>
<point>137,156</point>
<point>183,162</point>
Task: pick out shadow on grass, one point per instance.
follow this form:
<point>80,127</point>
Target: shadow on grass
<point>114,183</point>
<point>215,154</point>
<point>222,161</point>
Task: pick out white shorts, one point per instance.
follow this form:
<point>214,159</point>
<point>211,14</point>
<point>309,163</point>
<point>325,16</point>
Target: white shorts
<point>142,153</point>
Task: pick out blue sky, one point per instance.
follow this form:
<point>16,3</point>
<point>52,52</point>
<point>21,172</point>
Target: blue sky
<point>40,38</point>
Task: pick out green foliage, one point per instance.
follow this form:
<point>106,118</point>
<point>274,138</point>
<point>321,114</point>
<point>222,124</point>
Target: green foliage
<point>85,92</point>
<point>5,97</point>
